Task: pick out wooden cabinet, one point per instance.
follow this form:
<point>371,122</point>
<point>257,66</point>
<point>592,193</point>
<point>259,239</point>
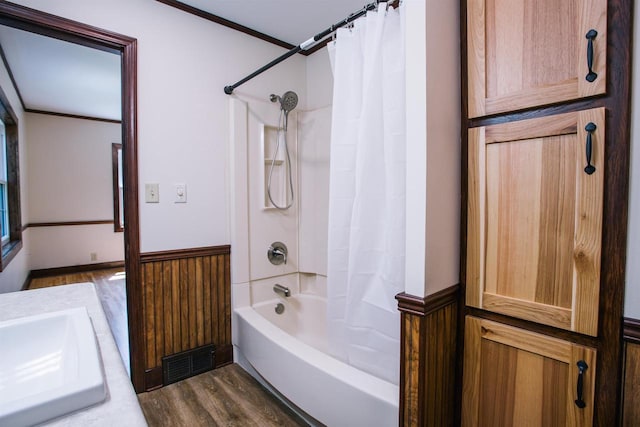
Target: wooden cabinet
<point>534,219</point>
<point>517,378</point>
<point>526,53</point>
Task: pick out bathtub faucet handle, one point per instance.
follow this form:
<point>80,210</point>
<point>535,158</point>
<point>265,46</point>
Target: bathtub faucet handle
<point>281,254</point>
<point>277,253</point>
<point>281,290</point>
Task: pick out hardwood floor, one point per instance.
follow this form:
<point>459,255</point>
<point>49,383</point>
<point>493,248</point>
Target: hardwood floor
<point>227,396</point>
<point>110,286</point>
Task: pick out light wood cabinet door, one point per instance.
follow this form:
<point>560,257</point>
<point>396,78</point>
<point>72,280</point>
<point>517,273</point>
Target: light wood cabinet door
<point>534,219</point>
<point>514,377</point>
<point>526,53</point>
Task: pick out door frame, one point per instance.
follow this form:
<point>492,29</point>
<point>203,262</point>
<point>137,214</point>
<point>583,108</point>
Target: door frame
<point>42,23</point>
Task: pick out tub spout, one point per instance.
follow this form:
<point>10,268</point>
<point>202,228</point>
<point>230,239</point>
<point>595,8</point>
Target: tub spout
<point>281,290</point>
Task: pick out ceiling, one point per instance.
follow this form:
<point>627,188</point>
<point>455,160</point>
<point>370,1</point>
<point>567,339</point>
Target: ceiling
<point>86,82</point>
<point>79,80</point>
<point>292,21</point>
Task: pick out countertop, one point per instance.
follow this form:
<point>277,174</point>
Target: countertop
<point>121,406</point>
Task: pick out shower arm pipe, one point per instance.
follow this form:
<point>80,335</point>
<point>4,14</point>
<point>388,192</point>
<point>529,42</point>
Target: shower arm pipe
<point>305,45</point>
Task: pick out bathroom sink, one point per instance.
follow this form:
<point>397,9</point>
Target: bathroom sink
<point>49,366</point>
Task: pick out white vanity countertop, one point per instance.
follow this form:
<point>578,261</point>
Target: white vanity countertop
<point>121,406</point>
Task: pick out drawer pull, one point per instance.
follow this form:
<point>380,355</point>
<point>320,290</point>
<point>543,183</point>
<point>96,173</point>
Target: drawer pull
<point>582,367</point>
<point>590,128</point>
<point>591,75</point>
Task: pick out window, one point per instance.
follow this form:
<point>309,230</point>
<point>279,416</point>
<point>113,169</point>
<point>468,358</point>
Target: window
<point>10,218</point>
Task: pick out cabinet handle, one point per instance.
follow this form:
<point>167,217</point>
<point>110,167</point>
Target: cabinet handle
<point>590,128</point>
<point>591,75</point>
<point>582,366</point>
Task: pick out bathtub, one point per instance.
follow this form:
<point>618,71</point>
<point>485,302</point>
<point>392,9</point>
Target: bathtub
<point>289,352</point>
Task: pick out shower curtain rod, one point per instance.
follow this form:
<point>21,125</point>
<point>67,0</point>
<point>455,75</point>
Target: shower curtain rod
<point>303,46</point>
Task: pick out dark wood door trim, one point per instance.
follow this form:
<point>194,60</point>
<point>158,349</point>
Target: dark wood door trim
<point>64,29</point>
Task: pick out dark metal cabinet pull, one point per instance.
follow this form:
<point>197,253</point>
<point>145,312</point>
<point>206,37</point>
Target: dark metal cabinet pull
<point>590,128</point>
<point>582,367</point>
<point>591,75</point>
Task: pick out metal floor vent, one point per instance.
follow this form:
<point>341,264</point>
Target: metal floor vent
<point>187,364</point>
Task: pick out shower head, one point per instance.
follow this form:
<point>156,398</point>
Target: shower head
<point>288,101</point>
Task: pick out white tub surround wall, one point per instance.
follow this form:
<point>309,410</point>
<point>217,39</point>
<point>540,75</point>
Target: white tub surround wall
<point>256,224</point>
<point>314,134</point>
<point>121,405</point>
<point>70,180</point>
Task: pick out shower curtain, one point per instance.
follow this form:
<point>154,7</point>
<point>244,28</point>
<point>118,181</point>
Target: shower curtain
<point>366,241</point>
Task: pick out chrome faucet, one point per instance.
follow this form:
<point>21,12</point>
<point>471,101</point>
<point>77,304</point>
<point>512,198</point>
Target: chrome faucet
<point>277,253</point>
<point>281,290</point>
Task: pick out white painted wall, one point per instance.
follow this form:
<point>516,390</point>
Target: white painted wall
<point>13,277</point>
<point>70,169</point>
<point>433,192</point>
<point>183,128</point>
<point>443,145</point>
<point>632,295</point>
<point>70,179</point>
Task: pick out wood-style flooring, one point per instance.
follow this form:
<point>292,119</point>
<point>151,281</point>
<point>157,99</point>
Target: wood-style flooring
<point>111,290</point>
<point>227,396</point>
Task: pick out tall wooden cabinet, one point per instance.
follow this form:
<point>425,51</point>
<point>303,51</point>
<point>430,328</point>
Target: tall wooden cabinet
<point>535,219</point>
<point>527,53</point>
<point>518,378</point>
<point>546,149</point>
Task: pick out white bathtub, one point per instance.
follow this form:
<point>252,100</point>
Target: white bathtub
<point>289,352</point>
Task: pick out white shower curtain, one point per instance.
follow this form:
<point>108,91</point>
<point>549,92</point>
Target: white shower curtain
<point>366,241</point>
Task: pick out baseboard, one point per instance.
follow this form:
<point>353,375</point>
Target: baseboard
<point>631,330</point>
<point>47,272</point>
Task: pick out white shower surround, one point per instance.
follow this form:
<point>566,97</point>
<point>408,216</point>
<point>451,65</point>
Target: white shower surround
<point>270,353</point>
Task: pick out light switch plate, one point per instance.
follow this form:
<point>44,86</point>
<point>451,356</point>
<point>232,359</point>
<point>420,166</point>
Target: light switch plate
<point>181,193</point>
<point>152,193</point>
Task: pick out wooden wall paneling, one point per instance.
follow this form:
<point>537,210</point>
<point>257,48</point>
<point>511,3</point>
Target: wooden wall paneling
<point>631,374</point>
<point>631,387</point>
<point>428,358</point>
<point>187,300</point>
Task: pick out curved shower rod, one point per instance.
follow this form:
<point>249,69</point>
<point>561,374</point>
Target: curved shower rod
<point>305,45</point>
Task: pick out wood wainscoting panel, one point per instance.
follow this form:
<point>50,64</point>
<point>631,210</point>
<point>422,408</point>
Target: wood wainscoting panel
<point>428,358</point>
<point>187,304</point>
<point>631,377</point>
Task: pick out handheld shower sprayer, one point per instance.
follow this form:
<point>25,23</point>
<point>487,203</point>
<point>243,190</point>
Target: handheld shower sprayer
<point>288,101</point>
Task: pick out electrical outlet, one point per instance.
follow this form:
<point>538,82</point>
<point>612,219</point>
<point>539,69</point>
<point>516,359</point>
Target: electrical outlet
<point>152,193</point>
<point>94,256</point>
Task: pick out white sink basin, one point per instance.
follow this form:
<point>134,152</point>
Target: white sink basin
<point>49,366</point>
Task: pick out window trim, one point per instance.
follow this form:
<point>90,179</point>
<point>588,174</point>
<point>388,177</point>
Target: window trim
<point>11,248</point>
